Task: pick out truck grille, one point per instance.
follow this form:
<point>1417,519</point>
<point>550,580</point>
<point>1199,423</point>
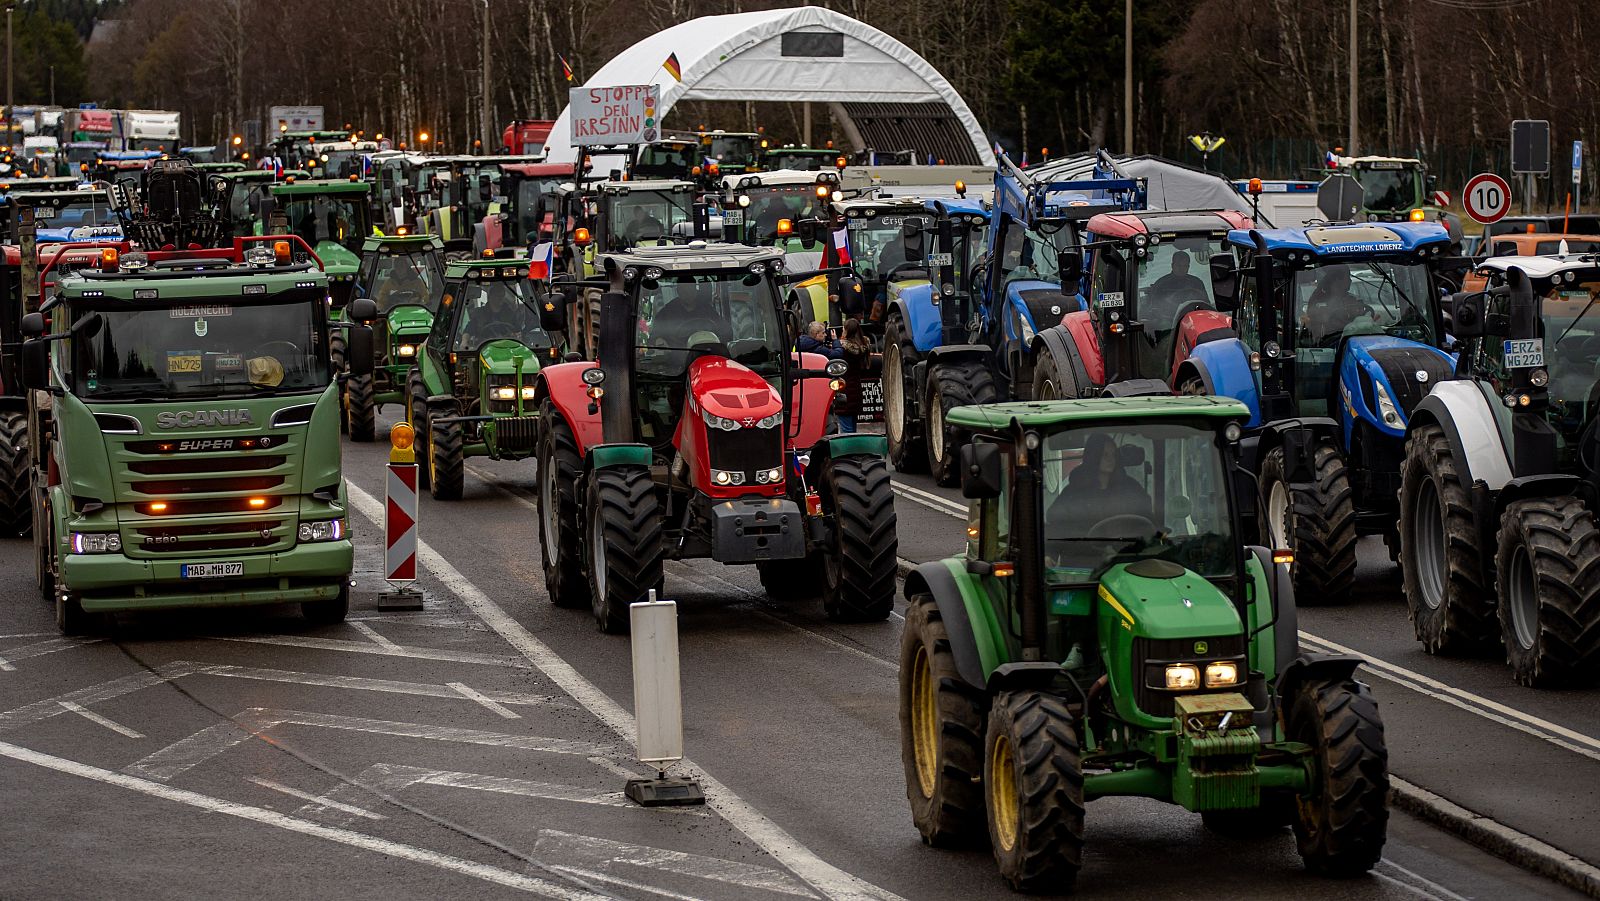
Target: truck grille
<point>228,536</point>
<point>1150,655</point>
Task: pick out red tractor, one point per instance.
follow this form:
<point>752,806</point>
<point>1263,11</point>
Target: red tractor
<point>1150,301</point>
<point>695,431</point>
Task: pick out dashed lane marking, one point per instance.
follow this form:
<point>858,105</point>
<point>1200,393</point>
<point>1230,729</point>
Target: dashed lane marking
<point>96,718</point>
<point>393,849</point>
<point>39,649</point>
<point>377,639</point>
<point>389,779</point>
<point>363,647</point>
<point>825,877</point>
<point>319,800</point>
<point>597,855</point>
<point>469,693</point>
<point>187,753</point>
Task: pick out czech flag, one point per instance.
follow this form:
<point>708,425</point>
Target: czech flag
<point>841,247</point>
<point>672,67</point>
<point>540,264</point>
<point>1331,159</point>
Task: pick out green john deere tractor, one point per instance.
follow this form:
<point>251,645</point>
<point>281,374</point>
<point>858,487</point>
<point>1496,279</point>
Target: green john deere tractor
<point>333,216</point>
<point>471,391</point>
<point>404,276</point>
<point>1107,633</point>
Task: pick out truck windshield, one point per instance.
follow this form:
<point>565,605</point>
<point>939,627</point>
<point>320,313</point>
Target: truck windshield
<point>729,313</point>
<point>1119,493</point>
<point>324,217</point>
<point>203,348</point>
<point>496,310</point>
<point>1388,189</point>
<point>88,211</point>
<point>649,215</point>
<point>407,278</point>
<point>163,145</point>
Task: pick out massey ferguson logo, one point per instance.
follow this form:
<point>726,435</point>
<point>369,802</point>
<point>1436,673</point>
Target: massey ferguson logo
<point>195,419</point>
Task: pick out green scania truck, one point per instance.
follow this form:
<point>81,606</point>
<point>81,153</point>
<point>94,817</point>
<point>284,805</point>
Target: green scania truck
<point>185,426</point>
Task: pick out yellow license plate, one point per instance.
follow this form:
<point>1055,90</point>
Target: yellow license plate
<point>184,363</point>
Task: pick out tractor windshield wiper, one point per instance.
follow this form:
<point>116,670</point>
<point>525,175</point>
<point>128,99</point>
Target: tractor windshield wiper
<point>1386,276</point>
<point>1579,318</point>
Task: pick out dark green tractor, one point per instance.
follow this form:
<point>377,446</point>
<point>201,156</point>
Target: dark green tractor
<point>404,276</point>
<point>1108,633</point>
<point>471,392</point>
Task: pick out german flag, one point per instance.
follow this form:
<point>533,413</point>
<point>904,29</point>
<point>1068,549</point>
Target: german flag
<point>672,67</point>
<point>566,67</point>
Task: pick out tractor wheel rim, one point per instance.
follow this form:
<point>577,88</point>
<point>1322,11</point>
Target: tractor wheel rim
<point>936,430</point>
<point>597,559</point>
<point>924,722</point>
<point>1002,784</point>
<point>1278,515</point>
<point>1524,599</point>
<point>1430,545</point>
<point>547,507</point>
<point>894,405</point>
<point>1047,391</point>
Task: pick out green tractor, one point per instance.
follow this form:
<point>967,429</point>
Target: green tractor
<point>404,277</point>
<point>331,215</point>
<point>1108,633</point>
<point>238,199</point>
<point>471,392</point>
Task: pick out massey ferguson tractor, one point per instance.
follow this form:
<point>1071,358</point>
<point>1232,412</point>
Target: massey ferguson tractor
<point>695,432</point>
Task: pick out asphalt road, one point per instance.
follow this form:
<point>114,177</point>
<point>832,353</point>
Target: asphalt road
<point>480,746</point>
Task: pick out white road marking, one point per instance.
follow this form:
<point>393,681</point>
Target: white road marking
<point>361,683</point>
<point>29,714</point>
<point>597,854</point>
<point>430,620</point>
<point>377,639</point>
<point>467,692</point>
<point>96,718</point>
<point>772,838</point>
<point>1406,885</point>
<point>6,667</point>
<point>593,876</point>
<point>362,647</point>
<point>41,648</point>
<point>26,635</point>
<point>930,500</point>
<point>316,799</point>
<point>187,753</point>
<point>392,849</point>
<point>1433,888</point>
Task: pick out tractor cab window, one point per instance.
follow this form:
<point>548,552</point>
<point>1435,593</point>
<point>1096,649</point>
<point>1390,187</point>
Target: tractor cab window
<point>243,197</point>
<point>495,310</point>
<point>1388,189</point>
<point>1571,321</point>
<point>534,199</point>
<point>1121,493</point>
<point>1345,300</point>
<point>1174,280</point>
<point>80,213</point>
<point>400,279</point>
<point>673,160</point>
<point>879,246</point>
<point>738,150</point>
<point>729,313</point>
<point>771,203</point>
<point>648,216</point>
<point>1030,254</point>
<point>324,217</point>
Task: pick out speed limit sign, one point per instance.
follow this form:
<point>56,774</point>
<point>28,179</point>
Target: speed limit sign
<point>1488,197</point>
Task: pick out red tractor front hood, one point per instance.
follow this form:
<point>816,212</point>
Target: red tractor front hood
<point>721,387</point>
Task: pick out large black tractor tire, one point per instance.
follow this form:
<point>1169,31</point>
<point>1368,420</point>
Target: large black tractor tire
<point>1318,522</point>
<point>1341,823</point>
<point>1054,379</point>
<point>327,613</point>
<point>859,566</point>
<point>417,415</point>
<point>336,359</point>
<point>958,383</point>
<point>560,530</point>
<point>1452,606</point>
<point>901,425</point>
<point>447,460</point>
<point>790,580</point>
<point>16,477</point>
<point>360,409</point>
<point>1033,786</point>
<point>941,733</point>
<point>1548,568</point>
<point>623,541</point>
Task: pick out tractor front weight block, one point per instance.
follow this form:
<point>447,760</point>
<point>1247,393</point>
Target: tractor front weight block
<point>753,529</point>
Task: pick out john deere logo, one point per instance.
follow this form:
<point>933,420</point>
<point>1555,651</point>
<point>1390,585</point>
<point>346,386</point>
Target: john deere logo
<point>1201,647</point>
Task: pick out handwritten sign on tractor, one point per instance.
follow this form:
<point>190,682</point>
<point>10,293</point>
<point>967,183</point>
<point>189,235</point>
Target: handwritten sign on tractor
<point>622,114</point>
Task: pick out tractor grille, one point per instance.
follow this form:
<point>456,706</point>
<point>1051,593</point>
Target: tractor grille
<point>745,450</point>
<point>516,433</point>
<point>1400,366</point>
<point>1150,656</point>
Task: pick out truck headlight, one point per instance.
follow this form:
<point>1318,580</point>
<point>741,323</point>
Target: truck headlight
<point>727,477</point>
<point>322,530</point>
<point>1182,676</point>
<point>406,350</point>
<point>719,422</point>
<point>1386,408</point>
<point>96,543</point>
<point>1221,674</point>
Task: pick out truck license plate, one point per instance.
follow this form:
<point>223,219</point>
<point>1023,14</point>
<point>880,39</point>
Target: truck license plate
<point>1524,353</point>
<point>210,570</point>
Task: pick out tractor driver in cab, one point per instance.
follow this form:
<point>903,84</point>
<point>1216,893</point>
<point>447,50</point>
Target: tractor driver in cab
<point>1180,285</point>
<point>689,318</point>
<point>1099,489</point>
<point>641,225</point>
<point>495,310</point>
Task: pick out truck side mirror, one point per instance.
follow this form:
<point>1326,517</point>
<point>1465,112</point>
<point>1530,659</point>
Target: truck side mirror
<point>361,309</point>
<point>358,348</point>
<point>1225,281</point>
<point>36,364</point>
<point>980,470</point>
<point>553,312</point>
<point>1070,264</point>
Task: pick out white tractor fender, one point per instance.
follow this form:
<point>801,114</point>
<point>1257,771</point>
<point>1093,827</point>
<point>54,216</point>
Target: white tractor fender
<point>1462,410</point>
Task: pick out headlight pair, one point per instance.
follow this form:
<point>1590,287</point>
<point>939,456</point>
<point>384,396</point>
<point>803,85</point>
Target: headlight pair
<point>509,392</point>
<point>1186,676</point>
<point>322,530</point>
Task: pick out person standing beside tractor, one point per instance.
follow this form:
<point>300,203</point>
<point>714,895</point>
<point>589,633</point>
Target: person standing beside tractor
<point>856,351</point>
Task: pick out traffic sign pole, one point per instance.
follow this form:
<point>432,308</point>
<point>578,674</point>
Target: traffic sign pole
<point>400,523</point>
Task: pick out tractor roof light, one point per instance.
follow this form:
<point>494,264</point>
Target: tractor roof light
<point>108,259</point>
<point>281,252</point>
<point>1255,186</point>
<point>1418,215</point>
<point>785,227</point>
<point>581,237</point>
<point>823,191</point>
<point>840,162</point>
<point>961,188</point>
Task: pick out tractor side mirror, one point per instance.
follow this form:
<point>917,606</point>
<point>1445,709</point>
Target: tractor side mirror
<point>852,299</point>
<point>1468,313</point>
<point>553,312</point>
<point>980,470</point>
<point>1070,264</point>
<point>36,364</point>
<point>485,188</point>
<point>33,325</point>
<point>358,346</point>
<point>1225,281</point>
<point>361,309</point>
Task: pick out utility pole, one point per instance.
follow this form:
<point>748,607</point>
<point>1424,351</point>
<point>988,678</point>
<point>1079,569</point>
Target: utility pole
<point>11,72</point>
<point>1127,76</point>
<point>488,98</point>
<point>52,85</point>
<point>1352,148</point>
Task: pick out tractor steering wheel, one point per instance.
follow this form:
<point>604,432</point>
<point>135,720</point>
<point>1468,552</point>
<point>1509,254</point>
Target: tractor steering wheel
<point>1124,525</point>
<point>916,265</point>
<point>261,350</point>
<point>686,328</point>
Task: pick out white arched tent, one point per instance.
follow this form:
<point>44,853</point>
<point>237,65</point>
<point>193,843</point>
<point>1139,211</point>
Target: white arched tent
<point>876,86</point>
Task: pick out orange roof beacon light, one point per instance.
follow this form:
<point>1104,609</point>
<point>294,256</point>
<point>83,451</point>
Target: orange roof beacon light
<point>840,162</point>
<point>108,259</point>
<point>580,237</point>
<point>822,190</point>
<point>785,227</point>
<point>961,188</point>
<point>280,252</point>
<point>1417,215</point>
<point>402,231</point>
<point>695,171</point>
<point>237,140</point>
<point>1255,186</point>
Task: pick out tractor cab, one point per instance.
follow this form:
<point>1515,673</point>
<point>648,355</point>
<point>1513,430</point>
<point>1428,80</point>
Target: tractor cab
<point>734,152</point>
<point>342,159</point>
<point>242,200</point>
<point>1398,189</point>
<point>755,208</point>
<point>671,157</point>
<point>331,215</point>
<point>75,216</point>
<point>528,215</point>
<point>799,156</point>
<point>298,148</point>
<point>401,187</point>
<point>615,216</point>
<point>466,190</point>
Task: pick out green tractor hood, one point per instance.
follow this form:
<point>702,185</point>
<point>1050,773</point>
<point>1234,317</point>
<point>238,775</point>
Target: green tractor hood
<point>505,356</point>
<point>337,259</point>
<point>410,320</point>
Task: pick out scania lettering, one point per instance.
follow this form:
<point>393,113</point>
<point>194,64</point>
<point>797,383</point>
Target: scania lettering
<point>200,418</point>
